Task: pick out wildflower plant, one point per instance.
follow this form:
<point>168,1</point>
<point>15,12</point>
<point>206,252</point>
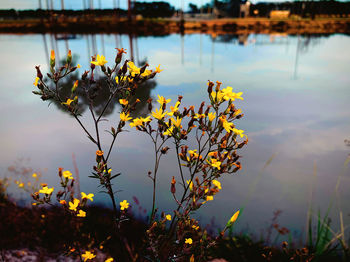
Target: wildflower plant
<point>206,141</point>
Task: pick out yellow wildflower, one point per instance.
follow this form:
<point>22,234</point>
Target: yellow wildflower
<point>109,259</point>
<point>169,131</point>
<point>134,70</point>
<point>68,102</point>
<point>145,119</point>
<point>85,196</point>
<point>67,174</point>
<point>158,114</point>
<point>198,116</point>
<point>177,122</point>
<point>81,213</point>
<point>124,117</point>
<point>211,116</point>
<point>195,227</point>
<point>217,184</point>
<point>20,185</point>
<point>100,60</point>
<point>217,96</point>
<point>210,198</point>
<point>36,81</point>
<point>215,163</point>
<point>161,100</point>
<point>46,190</point>
<point>73,206</point>
<point>63,202</point>
<point>109,171</point>
<point>123,102</point>
<point>174,108</point>
<point>136,122</point>
<point>226,125</point>
<point>190,183</point>
<point>88,255</point>
<point>188,241</point>
<point>237,112</point>
<point>124,205</point>
<point>34,175</point>
<point>78,65</point>
<point>239,132</point>
<point>168,217</point>
<point>158,70</point>
<point>146,73</point>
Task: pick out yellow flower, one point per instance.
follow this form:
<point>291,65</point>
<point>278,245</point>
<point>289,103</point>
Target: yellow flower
<point>198,116</point>
<point>177,122</point>
<point>123,102</point>
<point>136,122</point>
<point>63,202</point>
<point>210,198</point>
<point>158,114</point>
<point>88,255</point>
<point>161,100</point>
<point>68,102</point>
<point>174,108</point>
<point>168,217</point>
<point>169,131</point>
<point>134,70</point>
<point>146,73</point>
<point>21,185</point>
<point>145,119</point>
<point>109,171</point>
<point>239,132</point>
<point>85,196</point>
<point>190,183</point>
<point>109,259</point>
<point>78,65</point>
<point>73,206</point>
<point>215,163</point>
<point>36,81</point>
<point>67,174</point>
<point>46,190</point>
<point>239,111</point>
<point>124,205</point>
<point>226,125</point>
<point>100,60</point>
<point>195,227</point>
<point>188,241</point>
<point>216,183</point>
<point>217,96</point>
<point>124,78</point>
<point>211,116</point>
<point>34,175</point>
<point>233,218</point>
<point>124,117</point>
<point>158,70</point>
<point>81,213</point>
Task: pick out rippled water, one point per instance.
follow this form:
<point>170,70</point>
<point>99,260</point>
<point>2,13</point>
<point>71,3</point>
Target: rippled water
<point>296,91</point>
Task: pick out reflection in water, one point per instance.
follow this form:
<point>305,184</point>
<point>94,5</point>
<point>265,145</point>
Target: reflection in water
<point>300,120</point>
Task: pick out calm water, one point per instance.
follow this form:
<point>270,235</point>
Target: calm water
<point>296,91</point>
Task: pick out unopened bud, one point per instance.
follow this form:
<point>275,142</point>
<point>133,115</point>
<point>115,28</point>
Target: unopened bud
<point>38,73</point>
<point>69,57</point>
<point>75,85</point>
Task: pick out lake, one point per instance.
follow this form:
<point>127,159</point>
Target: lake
<point>296,93</point>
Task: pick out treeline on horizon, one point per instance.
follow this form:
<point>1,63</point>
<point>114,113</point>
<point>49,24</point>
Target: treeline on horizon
<point>228,8</point>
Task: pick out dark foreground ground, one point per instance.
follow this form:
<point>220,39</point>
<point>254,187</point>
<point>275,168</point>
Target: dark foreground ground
<point>47,234</point>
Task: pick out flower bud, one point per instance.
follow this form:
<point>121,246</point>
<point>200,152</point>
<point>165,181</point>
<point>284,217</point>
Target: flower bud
<point>75,85</point>
<point>172,187</point>
<point>38,73</point>
<point>210,87</point>
<point>52,59</point>
<point>69,57</point>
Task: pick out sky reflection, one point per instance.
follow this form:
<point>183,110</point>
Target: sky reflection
<point>296,109</point>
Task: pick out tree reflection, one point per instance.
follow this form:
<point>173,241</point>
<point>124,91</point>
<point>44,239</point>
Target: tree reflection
<point>143,93</point>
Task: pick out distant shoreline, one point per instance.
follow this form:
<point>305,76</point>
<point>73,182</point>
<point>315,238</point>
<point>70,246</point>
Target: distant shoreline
<point>91,25</point>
